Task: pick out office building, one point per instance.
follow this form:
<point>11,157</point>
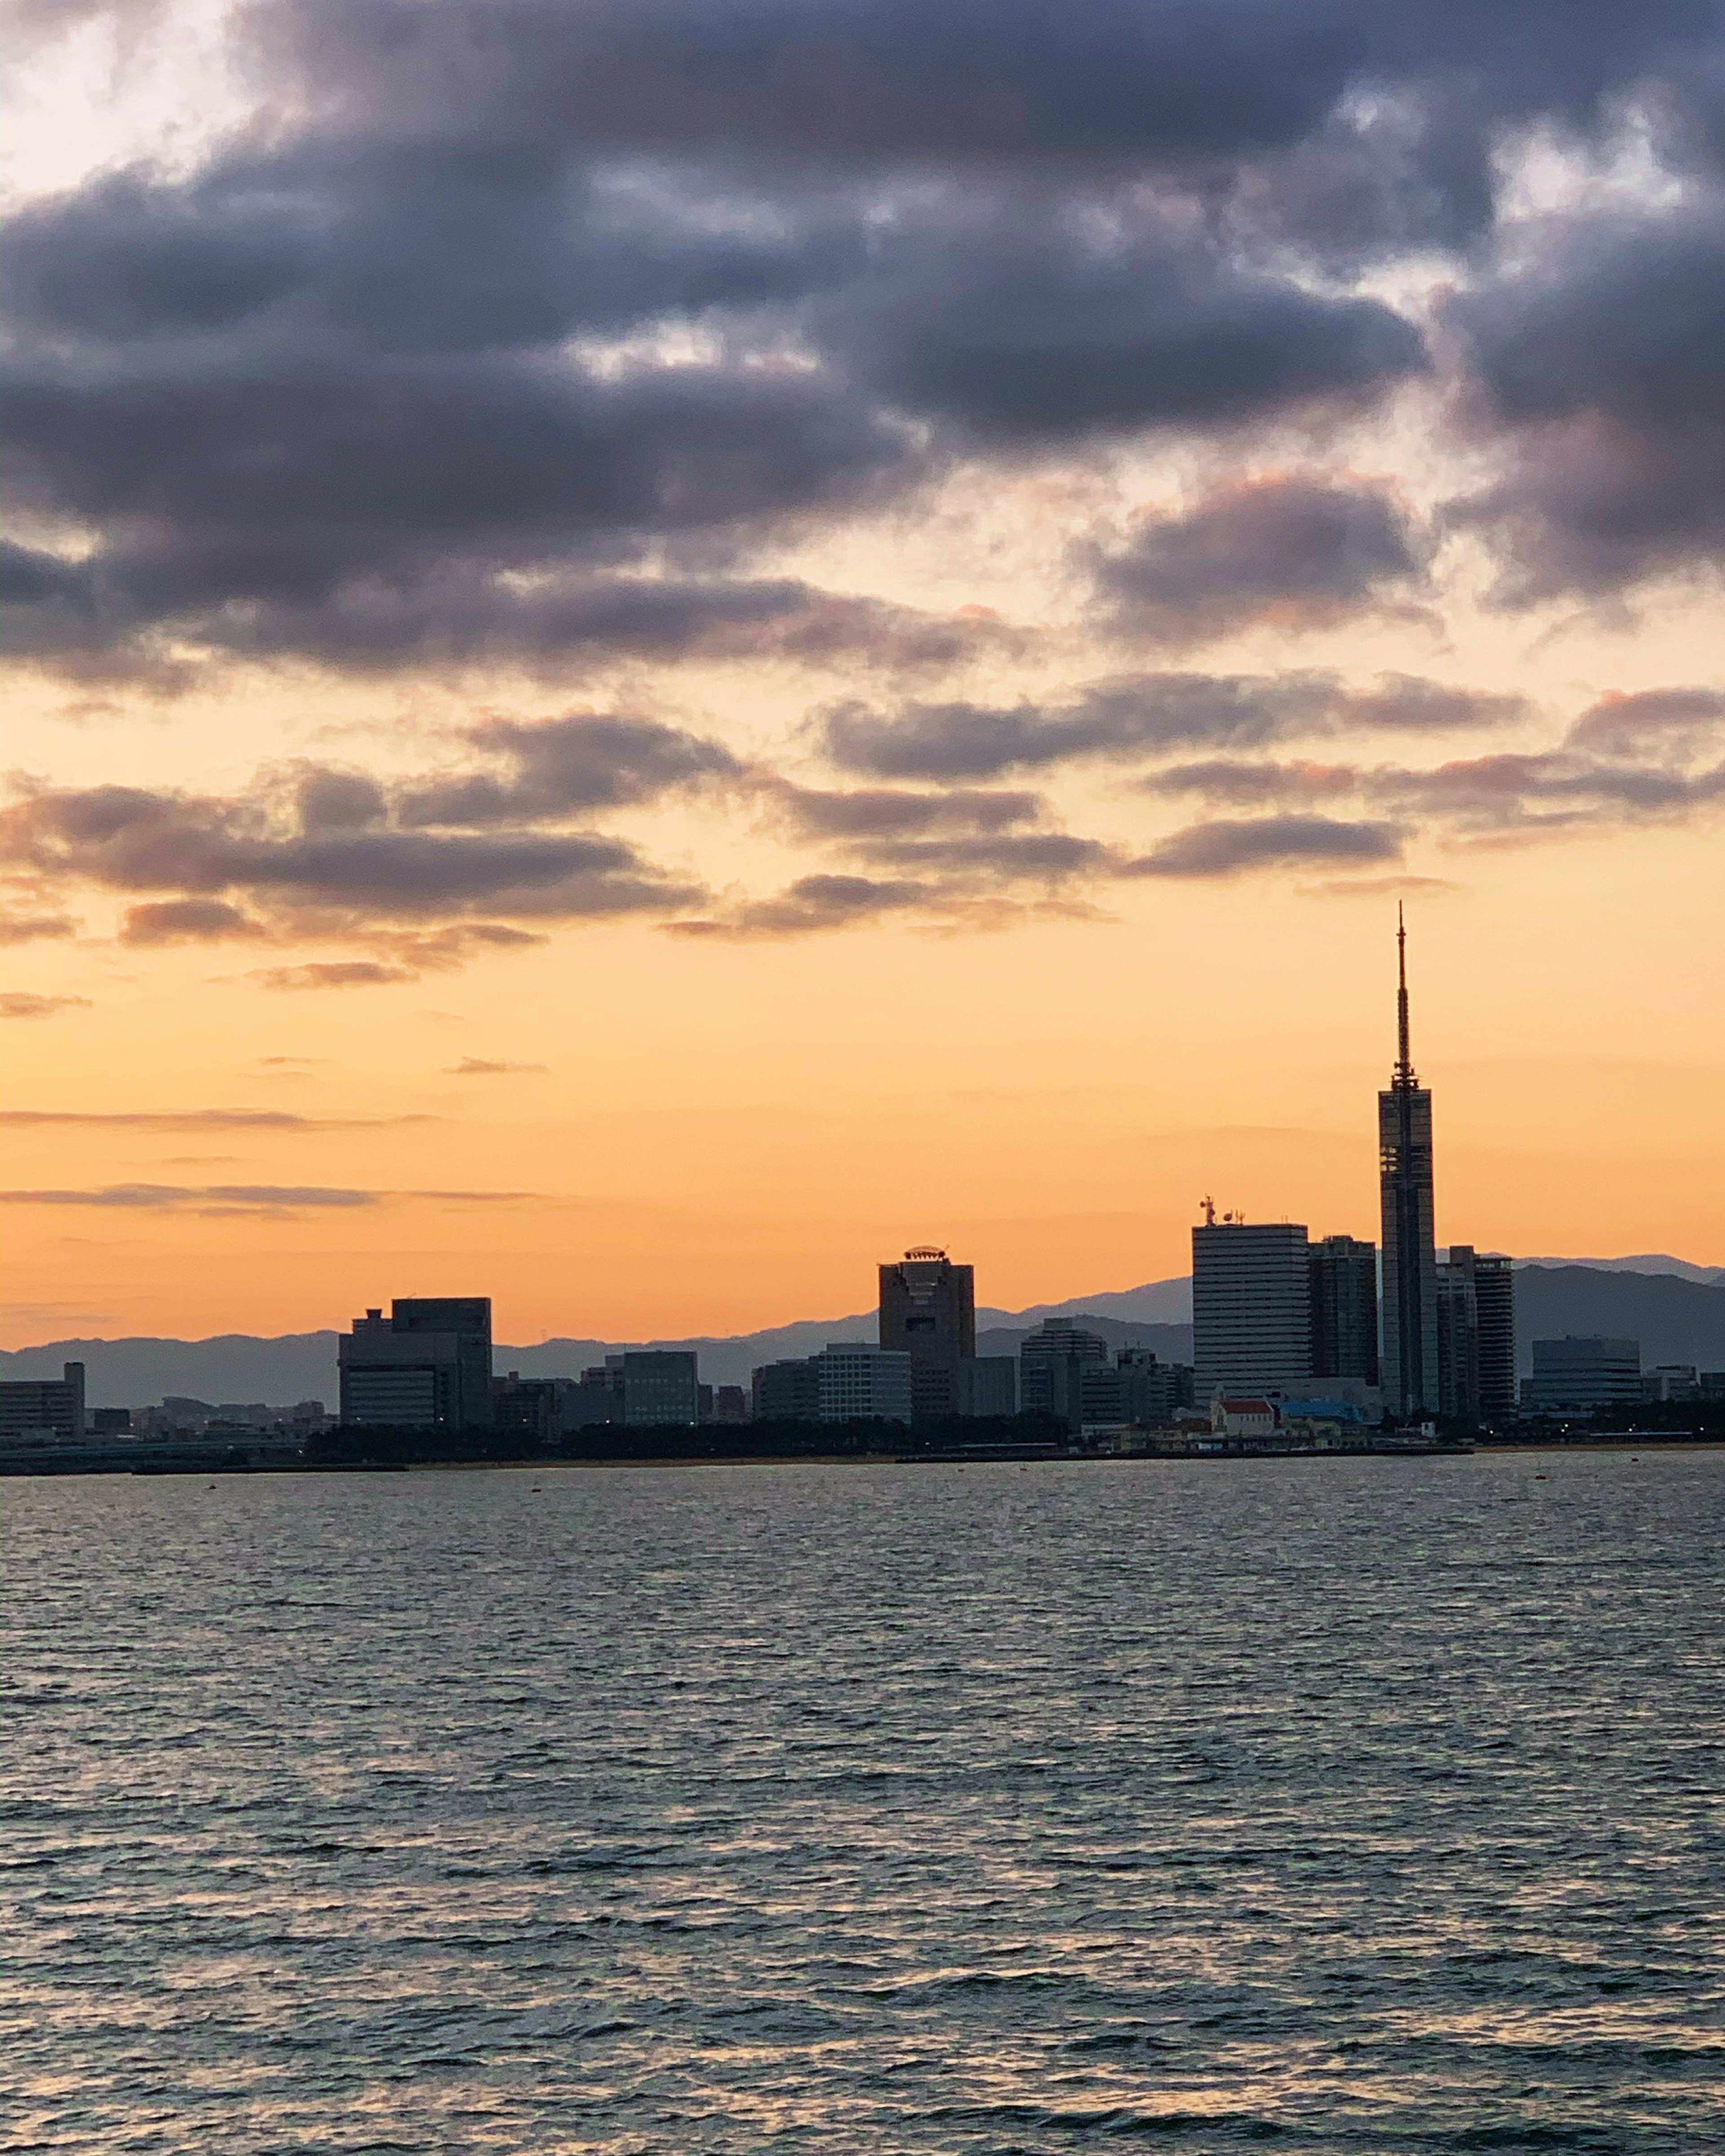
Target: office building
<point>43,1410</point>
<point>928,1313</point>
<point>1152,1392</point>
<point>854,1383</point>
<point>659,1386</point>
<point>1343,1277</point>
<point>1494,1292</point>
<point>1458,1335</point>
<point>525,1408</point>
<point>785,1392</point>
<point>1251,1307</point>
<point>1665,1382</point>
<point>1053,1362</point>
<point>108,1422</point>
<point>426,1366</point>
<point>731,1405</point>
<point>987,1385</point>
<point>1408,1356</point>
<point>1574,1376</point>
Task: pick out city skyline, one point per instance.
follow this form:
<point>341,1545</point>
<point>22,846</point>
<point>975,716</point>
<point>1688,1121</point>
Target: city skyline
<point>878,685</point>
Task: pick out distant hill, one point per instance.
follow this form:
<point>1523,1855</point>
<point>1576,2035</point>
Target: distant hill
<point>1677,1316</point>
<point>1676,1321</point>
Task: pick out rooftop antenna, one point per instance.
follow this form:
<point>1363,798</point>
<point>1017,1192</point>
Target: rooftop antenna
<point>1404,1057</point>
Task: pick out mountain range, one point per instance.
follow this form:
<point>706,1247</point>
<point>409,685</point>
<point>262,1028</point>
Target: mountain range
<point>1675,1309</point>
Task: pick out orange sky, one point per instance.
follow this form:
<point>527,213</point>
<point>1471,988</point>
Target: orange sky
<point>1042,1071</point>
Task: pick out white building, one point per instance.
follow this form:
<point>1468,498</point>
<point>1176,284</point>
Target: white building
<point>857,1383</point>
<point>1252,1308</point>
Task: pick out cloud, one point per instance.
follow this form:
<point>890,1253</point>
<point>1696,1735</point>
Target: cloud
<point>1595,366</point>
<point>196,1119</point>
<point>16,1003</point>
<point>1227,848</point>
<point>262,1201</point>
<point>1673,721</point>
<point>1297,552</point>
<point>562,767</point>
<point>476,1066</point>
<point>186,921</point>
<point>33,927</point>
<point>1136,716</point>
<point>335,974</point>
<point>812,904</point>
<point>882,813</point>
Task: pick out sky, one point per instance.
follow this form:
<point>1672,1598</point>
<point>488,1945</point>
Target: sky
<point>655,649</point>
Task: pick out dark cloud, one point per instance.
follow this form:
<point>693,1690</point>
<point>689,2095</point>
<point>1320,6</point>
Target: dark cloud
<point>1019,338</point>
<point>1651,720</point>
<point>1138,716</point>
<point>130,838</point>
<point>17,1003</point>
<point>812,904</point>
<point>1598,363</point>
<point>562,767</point>
<point>1299,551</point>
<point>883,812</point>
<point>1226,849</point>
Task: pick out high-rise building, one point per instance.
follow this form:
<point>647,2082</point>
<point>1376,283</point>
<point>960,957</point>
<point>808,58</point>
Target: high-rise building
<point>1494,1290</point>
<point>1572,1375</point>
<point>988,1385</point>
<point>1458,1328</point>
<point>426,1366</point>
<point>1251,1306</point>
<point>1344,1273</point>
<point>928,1313</point>
<point>1408,1357</point>
<point>42,1410</point>
<point>855,1382</point>
<point>660,1385</point>
<point>1054,1362</point>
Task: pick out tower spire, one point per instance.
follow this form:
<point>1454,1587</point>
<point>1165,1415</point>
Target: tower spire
<point>1405,1058</point>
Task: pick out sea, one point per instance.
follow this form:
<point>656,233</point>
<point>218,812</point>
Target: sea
<point>1326,1805</point>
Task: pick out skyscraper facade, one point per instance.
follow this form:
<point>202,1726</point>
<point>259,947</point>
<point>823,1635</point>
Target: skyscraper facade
<point>1251,1307</point>
<point>1408,1355</point>
<point>426,1366</point>
<point>1054,1362</point>
<point>1344,1308</point>
<point>1458,1334</point>
<point>928,1313</point>
<point>1494,1287</point>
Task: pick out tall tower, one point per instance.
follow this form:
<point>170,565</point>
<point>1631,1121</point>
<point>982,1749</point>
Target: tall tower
<point>928,1311</point>
<point>1410,1302</point>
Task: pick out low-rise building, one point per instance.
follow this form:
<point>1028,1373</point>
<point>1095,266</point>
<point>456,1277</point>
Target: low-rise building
<point>1576,1375</point>
<point>43,1410</point>
<point>855,1382</point>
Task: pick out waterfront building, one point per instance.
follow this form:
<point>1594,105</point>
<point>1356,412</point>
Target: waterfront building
<point>731,1405</point>
<point>525,1406</point>
<point>855,1382</point>
<point>1572,1376</point>
<point>43,1410</point>
<point>1409,1352</point>
<point>659,1386</point>
<point>987,1385</point>
<point>785,1391</point>
<point>1053,1364</point>
<point>928,1313</point>
<point>426,1366</point>
<point>1251,1306</point>
<point>1343,1276</point>
<point>1494,1291</point>
<point>1458,1332</point>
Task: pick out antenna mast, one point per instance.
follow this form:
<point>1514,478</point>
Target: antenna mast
<point>1404,1058</point>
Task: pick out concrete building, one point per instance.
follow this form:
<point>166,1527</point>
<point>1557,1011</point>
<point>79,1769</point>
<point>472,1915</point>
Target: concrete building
<point>525,1408</point>
<point>1251,1307</point>
<point>43,1410</point>
<point>1665,1381</point>
<point>928,1313</point>
<point>785,1392</point>
<point>1408,1356</point>
<point>987,1385</point>
<point>1343,1275</point>
<point>1234,1415</point>
<point>426,1366</point>
<point>1494,1291</point>
<point>731,1405</point>
<point>1572,1376</point>
<point>1053,1364</point>
<point>1135,1389</point>
<point>855,1382</point>
<point>660,1385</point>
<point>1458,1322</point>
